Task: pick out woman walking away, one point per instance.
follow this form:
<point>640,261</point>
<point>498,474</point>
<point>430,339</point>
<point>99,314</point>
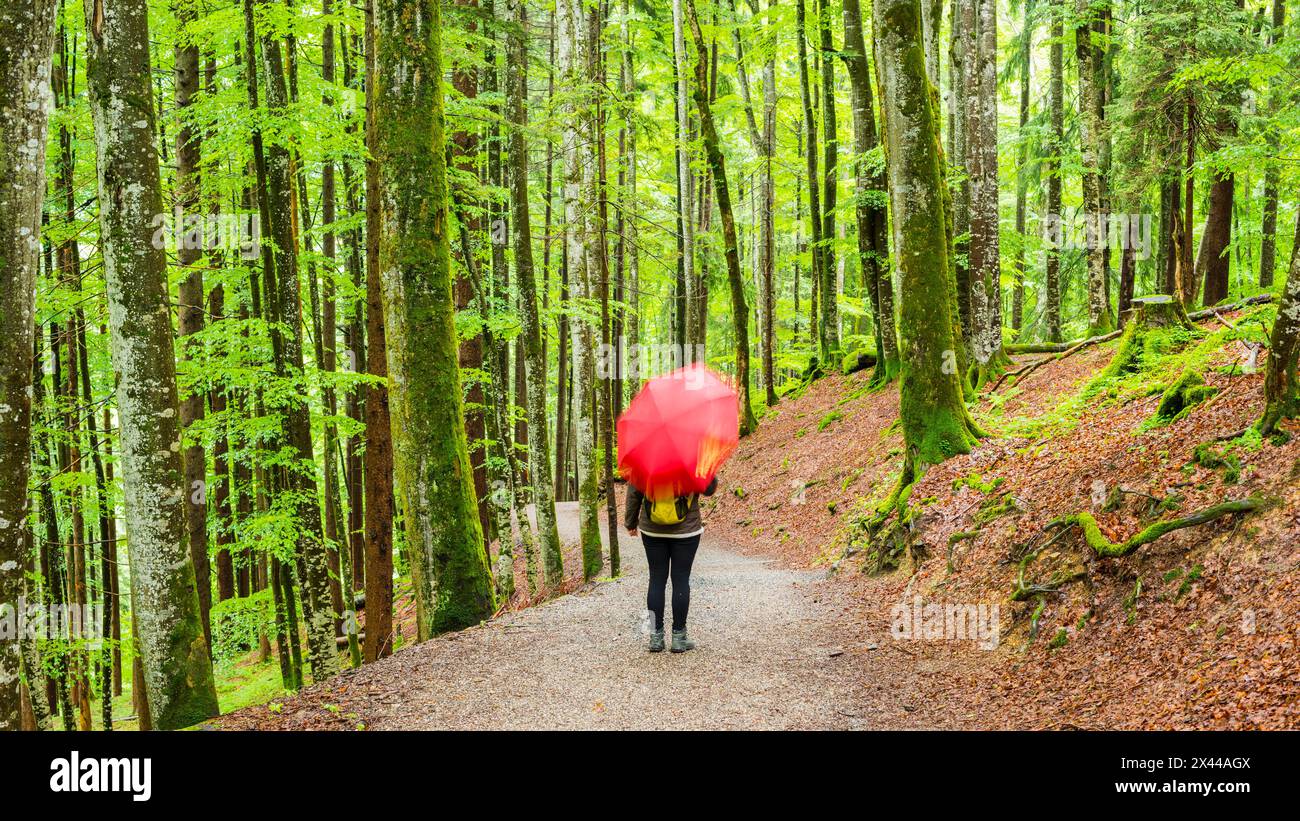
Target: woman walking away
<point>670,531</point>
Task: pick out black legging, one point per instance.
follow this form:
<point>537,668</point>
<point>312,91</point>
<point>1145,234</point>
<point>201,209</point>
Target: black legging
<point>665,557</point>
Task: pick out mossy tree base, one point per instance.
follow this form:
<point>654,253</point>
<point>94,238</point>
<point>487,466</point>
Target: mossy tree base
<point>989,371</point>
<point>1155,325</point>
<point>1188,391</point>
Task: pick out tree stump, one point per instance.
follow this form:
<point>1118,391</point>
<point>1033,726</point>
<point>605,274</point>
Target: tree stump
<point>1150,328</point>
<point>1157,311</point>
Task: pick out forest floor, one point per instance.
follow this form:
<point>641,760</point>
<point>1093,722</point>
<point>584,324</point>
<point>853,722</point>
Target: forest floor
<point>771,654</point>
<point>1196,630</point>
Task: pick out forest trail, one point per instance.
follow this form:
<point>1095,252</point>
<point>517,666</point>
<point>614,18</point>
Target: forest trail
<point>773,653</point>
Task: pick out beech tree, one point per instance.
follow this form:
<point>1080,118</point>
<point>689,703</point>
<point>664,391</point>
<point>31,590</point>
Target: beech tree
<point>576,39</point>
<point>177,668</point>
<point>24,119</point>
<point>453,588</point>
<point>718,170</point>
<point>539,446</point>
<point>935,422</point>
<point>872,220</point>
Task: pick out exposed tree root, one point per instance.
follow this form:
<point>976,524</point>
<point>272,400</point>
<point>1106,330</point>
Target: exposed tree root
<point>1025,590</point>
<point>1104,547</point>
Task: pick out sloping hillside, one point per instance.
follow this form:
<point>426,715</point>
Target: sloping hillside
<point>1196,629</point>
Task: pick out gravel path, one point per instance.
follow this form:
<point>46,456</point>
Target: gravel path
<point>770,655</point>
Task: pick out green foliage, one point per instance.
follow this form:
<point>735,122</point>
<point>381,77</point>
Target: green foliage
<point>239,623</point>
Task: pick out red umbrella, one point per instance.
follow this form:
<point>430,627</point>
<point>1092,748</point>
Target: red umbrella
<point>677,432</point>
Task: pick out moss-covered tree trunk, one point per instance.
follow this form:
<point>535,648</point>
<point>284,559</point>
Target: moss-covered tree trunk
<point>539,438</point>
<point>379,502</point>
<point>731,250</point>
<point>580,196</point>
<point>935,422</point>
<point>177,670</point>
<point>1052,170</point>
<point>1090,63</point>
<point>1281,389</point>
<point>872,220</point>
<point>25,48</point>
<point>453,588</point>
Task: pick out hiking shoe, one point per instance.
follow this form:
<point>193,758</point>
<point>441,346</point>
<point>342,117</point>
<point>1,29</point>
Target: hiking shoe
<point>657,641</point>
<point>680,643</point>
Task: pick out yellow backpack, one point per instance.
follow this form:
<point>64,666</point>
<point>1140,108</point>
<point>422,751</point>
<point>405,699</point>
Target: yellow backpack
<point>670,511</point>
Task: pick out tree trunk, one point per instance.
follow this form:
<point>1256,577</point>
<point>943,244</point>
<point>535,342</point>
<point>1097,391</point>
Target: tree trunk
<point>872,220</point>
<point>1185,273</point>
<point>449,570</point>
<point>685,182</point>
<point>830,313</point>
<point>580,196</point>
<point>1281,387</point>
<point>764,142</point>
<point>1213,260</point>
<point>1052,171</point>
<point>1100,320</point>
<point>177,669</point>
<point>286,310</point>
<point>934,418</point>
<point>982,167</point>
<point>814,192</point>
<point>1022,159</point>
<point>1272,174</point>
<point>1170,218</point>
<point>190,308</point>
<point>964,82</point>
<point>24,121</point>
<point>539,445</point>
<point>379,435</point>
<point>225,523</point>
<point>731,250</point>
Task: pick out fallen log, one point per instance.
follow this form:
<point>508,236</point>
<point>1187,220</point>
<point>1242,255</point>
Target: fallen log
<point>1038,363</point>
<point>1211,312</point>
<point>1151,311</point>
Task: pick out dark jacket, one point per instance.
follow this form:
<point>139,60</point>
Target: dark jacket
<point>636,514</point>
